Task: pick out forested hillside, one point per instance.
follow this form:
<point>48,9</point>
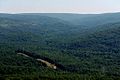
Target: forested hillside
<point>87,46</point>
<point>89,20</point>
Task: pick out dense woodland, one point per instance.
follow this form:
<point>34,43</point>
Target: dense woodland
<point>87,46</point>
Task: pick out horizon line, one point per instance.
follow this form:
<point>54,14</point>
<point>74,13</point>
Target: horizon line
<point>56,12</point>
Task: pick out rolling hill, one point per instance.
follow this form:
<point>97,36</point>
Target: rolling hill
<point>89,20</point>
<point>87,45</point>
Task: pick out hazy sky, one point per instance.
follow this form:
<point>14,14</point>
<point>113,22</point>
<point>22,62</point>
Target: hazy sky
<point>72,6</point>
